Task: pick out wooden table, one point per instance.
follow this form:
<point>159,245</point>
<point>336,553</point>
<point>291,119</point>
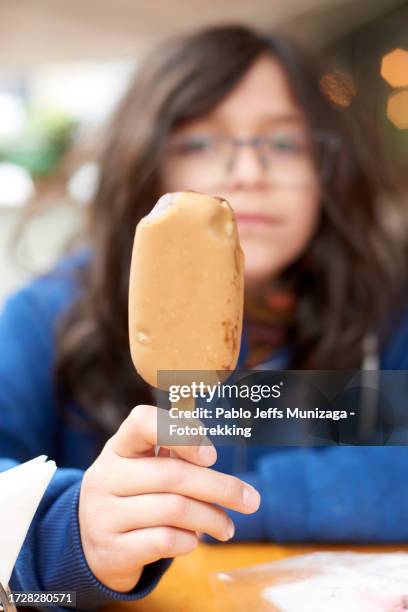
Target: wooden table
<point>186,586</point>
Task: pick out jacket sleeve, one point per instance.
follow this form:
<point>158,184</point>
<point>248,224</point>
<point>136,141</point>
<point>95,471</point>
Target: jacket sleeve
<point>52,558</point>
<point>336,494</point>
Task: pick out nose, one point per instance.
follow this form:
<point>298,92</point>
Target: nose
<point>247,170</point>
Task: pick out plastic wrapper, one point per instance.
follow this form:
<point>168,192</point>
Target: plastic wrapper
<point>318,582</point>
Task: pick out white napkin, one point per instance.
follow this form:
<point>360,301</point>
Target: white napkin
<point>21,490</point>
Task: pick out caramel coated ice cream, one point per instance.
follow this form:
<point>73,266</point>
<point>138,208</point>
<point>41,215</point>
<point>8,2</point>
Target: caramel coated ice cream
<point>186,287</point>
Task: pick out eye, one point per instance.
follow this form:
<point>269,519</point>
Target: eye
<point>288,143</point>
<point>192,145</point>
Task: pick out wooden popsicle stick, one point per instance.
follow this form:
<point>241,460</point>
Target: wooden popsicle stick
<point>184,403</point>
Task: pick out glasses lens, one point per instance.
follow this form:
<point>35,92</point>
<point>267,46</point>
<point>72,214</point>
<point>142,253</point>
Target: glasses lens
<point>297,158</point>
<point>289,158</point>
<point>199,156</point>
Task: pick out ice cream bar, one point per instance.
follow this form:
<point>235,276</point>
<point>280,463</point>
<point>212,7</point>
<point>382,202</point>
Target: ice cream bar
<point>186,287</point>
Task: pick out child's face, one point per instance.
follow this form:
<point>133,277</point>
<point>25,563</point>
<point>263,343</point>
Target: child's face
<point>274,189</point>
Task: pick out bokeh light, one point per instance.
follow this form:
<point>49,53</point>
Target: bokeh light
<point>338,87</point>
<point>394,68</point>
<point>397,108</point>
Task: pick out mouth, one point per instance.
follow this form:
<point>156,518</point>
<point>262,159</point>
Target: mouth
<point>256,218</point>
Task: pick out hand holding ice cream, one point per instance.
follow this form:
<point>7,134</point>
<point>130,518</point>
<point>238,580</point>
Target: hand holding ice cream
<point>185,312</point>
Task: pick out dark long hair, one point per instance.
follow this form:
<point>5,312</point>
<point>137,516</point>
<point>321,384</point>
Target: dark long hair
<point>345,282</point>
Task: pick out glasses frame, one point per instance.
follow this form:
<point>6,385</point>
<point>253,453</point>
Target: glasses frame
<point>320,137</point>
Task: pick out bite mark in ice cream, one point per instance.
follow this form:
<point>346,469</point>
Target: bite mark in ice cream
<point>160,208</point>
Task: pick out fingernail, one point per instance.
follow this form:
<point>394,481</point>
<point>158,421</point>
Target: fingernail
<point>230,530</point>
<point>250,497</point>
<point>207,454</point>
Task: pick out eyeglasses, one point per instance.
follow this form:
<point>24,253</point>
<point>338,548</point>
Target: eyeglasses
<point>287,157</point>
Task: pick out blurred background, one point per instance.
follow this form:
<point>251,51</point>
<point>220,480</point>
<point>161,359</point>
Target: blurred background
<point>64,65</point>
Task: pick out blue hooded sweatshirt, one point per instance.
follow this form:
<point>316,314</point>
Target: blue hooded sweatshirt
<point>336,494</point>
